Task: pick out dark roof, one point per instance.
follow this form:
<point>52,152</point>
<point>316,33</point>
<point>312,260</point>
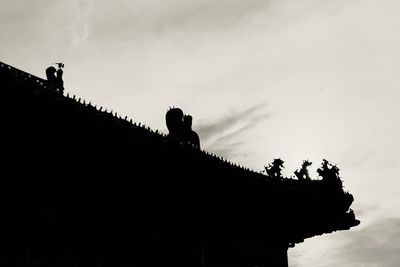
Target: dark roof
<point>66,156</point>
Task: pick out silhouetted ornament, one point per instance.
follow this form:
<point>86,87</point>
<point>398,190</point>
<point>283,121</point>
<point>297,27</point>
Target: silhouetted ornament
<point>174,121</point>
<point>303,172</point>
<point>274,169</point>
<point>329,172</point>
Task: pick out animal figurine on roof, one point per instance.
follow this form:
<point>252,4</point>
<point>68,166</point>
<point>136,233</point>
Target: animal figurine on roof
<point>54,77</point>
<point>329,172</point>
<point>189,135</point>
<point>180,127</point>
<point>174,121</point>
<point>303,172</point>
<point>275,168</point>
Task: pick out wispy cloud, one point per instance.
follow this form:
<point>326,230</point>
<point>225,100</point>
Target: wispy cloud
<point>207,15</point>
<point>376,244</point>
<point>214,128</point>
<point>373,246</point>
<point>80,28</point>
<point>165,19</point>
<point>224,135</point>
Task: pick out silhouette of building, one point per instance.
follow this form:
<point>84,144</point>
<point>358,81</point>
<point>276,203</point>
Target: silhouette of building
<point>84,187</point>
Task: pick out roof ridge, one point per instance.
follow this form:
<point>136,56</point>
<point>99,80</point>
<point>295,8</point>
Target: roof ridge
<point>42,83</point>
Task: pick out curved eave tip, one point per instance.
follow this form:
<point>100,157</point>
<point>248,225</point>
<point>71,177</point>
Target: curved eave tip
<point>355,223</point>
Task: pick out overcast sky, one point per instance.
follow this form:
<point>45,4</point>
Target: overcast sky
<point>295,79</point>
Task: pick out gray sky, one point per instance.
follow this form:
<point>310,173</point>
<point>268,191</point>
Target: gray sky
<point>299,79</point>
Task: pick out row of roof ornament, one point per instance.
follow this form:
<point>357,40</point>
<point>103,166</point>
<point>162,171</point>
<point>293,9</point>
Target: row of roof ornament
<point>328,172</point>
<point>42,83</point>
<point>276,165</point>
<point>24,75</point>
<point>271,174</point>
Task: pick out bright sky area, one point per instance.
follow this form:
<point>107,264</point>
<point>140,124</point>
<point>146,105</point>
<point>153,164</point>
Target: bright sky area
<point>295,79</point>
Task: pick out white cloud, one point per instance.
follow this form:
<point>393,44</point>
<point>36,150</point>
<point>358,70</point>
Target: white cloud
<point>377,245</point>
<point>80,29</point>
<point>224,136</point>
<point>374,243</point>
